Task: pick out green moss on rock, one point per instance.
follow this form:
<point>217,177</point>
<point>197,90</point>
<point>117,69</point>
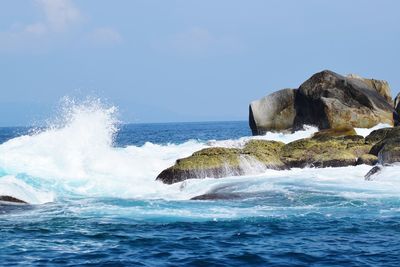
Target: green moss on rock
<point>327,133</point>
<point>367,159</point>
<point>324,152</point>
<point>266,152</point>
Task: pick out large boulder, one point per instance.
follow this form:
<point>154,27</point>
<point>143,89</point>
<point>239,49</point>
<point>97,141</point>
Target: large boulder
<point>217,162</point>
<point>274,112</point>
<point>327,100</point>
<point>388,148</point>
<point>330,100</point>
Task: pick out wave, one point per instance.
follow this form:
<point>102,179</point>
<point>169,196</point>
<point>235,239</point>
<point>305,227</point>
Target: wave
<point>75,156</point>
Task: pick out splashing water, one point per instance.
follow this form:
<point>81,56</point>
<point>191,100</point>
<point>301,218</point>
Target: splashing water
<point>75,156</point>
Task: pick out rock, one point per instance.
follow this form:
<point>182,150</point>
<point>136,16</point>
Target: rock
<point>374,171</point>
<point>266,152</point>
<point>388,148</point>
<point>217,196</point>
<point>217,162</point>
<point>330,100</point>
<point>334,133</point>
<point>380,86</point>
<point>367,159</point>
<point>390,153</point>
<point>324,151</point>
<point>12,200</point>
<point>377,135</point>
<point>209,162</point>
<point>397,103</point>
<point>274,112</point>
<point>327,100</point>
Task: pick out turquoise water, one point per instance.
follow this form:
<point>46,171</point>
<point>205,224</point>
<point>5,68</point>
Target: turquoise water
<point>94,202</point>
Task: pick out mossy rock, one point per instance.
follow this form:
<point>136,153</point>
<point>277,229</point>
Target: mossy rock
<point>266,152</point>
<point>324,152</point>
<point>209,162</point>
<point>367,159</point>
<point>377,135</point>
<point>327,133</point>
<point>220,162</point>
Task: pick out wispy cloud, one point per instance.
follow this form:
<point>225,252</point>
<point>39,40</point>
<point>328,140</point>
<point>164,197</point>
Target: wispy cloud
<point>58,17</point>
<point>59,14</point>
<point>105,35</point>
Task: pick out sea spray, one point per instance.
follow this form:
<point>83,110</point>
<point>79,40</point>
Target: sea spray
<point>75,157</point>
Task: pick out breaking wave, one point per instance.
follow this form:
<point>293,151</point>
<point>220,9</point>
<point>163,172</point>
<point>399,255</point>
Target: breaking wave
<point>75,156</point>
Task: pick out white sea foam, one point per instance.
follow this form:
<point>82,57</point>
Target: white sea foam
<point>76,156</point>
<point>274,136</point>
<point>366,131</point>
<point>11,186</point>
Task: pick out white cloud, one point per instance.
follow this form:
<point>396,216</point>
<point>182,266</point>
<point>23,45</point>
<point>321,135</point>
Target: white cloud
<point>58,17</point>
<point>60,14</point>
<point>35,29</point>
<point>105,35</point>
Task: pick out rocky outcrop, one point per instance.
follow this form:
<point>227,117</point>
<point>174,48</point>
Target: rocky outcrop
<point>220,162</point>
<point>275,111</point>
<point>330,100</point>
<point>327,148</point>
<point>335,103</point>
<point>327,100</point>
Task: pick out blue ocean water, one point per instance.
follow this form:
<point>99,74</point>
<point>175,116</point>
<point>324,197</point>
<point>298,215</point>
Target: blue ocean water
<point>103,207</point>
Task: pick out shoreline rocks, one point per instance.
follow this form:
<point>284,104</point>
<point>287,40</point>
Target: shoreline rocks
<point>327,148</point>
<point>327,100</point>
<point>334,103</point>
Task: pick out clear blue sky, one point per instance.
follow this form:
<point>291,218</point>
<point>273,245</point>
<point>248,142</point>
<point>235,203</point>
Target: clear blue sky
<point>185,60</point>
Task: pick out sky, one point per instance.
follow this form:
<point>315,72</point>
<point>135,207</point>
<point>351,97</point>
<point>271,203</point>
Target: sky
<point>187,60</point>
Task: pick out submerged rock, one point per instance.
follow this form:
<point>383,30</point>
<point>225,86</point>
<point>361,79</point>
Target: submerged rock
<point>374,171</point>
<point>218,196</point>
<point>217,162</point>
<point>327,100</point>
<point>12,199</point>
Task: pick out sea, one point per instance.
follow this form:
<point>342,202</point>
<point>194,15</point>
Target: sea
<point>93,200</point>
